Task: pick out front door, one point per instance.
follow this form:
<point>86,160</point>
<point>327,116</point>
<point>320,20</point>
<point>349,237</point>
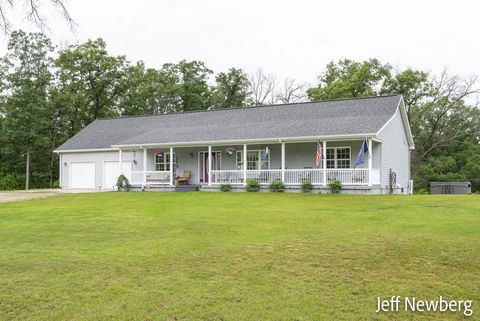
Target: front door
<point>203,164</point>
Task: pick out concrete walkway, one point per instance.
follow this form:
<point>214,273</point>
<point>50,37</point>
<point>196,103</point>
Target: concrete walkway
<point>11,196</point>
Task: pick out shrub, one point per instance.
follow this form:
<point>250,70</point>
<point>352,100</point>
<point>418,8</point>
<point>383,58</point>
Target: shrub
<point>307,186</point>
<point>253,185</point>
<point>8,182</point>
<point>56,184</point>
<point>225,187</point>
<point>277,186</point>
<point>123,183</point>
<point>421,191</point>
<point>335,186</point>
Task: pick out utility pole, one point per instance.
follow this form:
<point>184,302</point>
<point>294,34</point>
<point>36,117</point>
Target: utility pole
<point>27,170</point>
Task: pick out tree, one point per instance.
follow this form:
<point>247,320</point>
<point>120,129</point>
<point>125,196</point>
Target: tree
<point>291,92</point>
<point>143,91</point>
<point>185,86</point>
<point>231,89</point>
<point>90,81</point>
<point>33,12</point>
<point>414,85</point>
<point>348,79</point>
<point>27,67</point>
<point>445,127</point>
<point>262,88</point>
<point>443,122</point>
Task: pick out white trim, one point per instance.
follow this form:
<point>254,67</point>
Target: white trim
<point>283,161</point>
<point>144,167</point>
<point>172,155</point>
<point>200,161</point>
<point>104,171</point>
<point>165,163</point>
<point>259,151</point>
<point>245,152</point>
<point>370,151</point>
<point>390,119</point>
<point>60,171</point>
<point>324,160</point>
<point>70,172</point>
<point>335,156</point>
<point>209,161</point>
<point>109,149</point>
<point>253,140</point>
<point>120,161</point>
<point>403,113</point>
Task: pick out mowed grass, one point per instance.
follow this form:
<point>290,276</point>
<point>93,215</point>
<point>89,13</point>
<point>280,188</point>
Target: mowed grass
<point>235,256</point>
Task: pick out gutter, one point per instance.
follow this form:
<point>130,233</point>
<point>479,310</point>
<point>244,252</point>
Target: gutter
<point>301,139</point>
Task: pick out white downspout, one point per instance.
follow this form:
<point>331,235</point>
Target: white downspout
<point>171,166</point>
<point>144,167</point>
<point>209,171</point>
<point>119,162</point>
<point>283,162</point>
<point>369,162</point>
<point>324,155</point>
<point>244,164</point>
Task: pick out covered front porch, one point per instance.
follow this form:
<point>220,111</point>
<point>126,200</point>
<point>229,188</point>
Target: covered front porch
<point>291,162</point>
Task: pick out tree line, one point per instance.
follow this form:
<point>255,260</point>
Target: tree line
<point>47,95</point>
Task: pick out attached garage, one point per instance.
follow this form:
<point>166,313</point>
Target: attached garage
<point>82,175</point>
<point>110,173</point>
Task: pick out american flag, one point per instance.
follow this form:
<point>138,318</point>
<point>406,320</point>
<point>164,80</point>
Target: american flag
<point>318,158</point>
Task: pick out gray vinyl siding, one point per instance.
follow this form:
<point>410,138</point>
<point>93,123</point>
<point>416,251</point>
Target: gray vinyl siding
<point>395,152</point>
<point>98,158</point>
<point>297,156</point>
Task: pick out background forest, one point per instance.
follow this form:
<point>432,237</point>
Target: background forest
<point>48,94</point>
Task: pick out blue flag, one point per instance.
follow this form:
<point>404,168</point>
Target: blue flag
<point>361,154</point>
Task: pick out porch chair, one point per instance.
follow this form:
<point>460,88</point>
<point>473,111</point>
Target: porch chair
<point>185,179</point>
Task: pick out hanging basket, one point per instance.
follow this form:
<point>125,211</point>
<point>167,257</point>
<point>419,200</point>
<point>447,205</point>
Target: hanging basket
<point>230,150</point>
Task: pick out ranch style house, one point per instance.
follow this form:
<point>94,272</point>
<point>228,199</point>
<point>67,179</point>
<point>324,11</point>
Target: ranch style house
<point>363,142</point>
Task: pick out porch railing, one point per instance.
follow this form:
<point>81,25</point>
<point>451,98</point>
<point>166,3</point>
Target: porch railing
<point>298,176</point>
<point>152,177</point>
<point>349,176</point>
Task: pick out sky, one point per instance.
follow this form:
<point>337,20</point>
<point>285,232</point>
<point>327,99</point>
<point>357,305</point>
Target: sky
<point>293,39</point>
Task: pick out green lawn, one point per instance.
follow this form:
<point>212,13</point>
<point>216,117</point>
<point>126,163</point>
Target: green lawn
<point>235,256</point>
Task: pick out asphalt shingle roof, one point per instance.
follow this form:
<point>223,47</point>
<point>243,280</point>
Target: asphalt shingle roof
<point>324,118</point>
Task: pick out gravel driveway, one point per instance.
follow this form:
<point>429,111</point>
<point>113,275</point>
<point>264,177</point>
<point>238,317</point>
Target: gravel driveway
<point>12,196</point>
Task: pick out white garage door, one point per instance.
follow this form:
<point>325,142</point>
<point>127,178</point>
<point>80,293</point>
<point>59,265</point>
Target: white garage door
<point>82,175</point>
<point>110,173</point>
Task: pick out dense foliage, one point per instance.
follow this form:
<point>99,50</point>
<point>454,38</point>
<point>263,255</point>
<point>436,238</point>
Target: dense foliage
<point>276,186</point>
<point>335,186</point>
<point>123,184</point>
<point>253,185</point>
<point>225,187</point>
<point>48,95</point>
<point>306,186</point>
<point>444,120</point>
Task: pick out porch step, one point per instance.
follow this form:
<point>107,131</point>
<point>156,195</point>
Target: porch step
<point>187,188</point>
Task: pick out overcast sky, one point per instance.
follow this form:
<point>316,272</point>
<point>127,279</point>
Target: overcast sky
<point>293,39</point>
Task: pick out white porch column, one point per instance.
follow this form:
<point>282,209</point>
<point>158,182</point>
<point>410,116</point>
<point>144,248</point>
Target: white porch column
<point>244,164</point>
<point>209,171</point>
<point>283,162</point>
<point>144,167</point>
<point>171,166</point>
<point>119,162</point>
<point>324,163</point>
<point>370,162</point>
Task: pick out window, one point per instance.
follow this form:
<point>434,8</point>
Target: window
<point>162,162</point>
<point>256,159</point>
<point>338,157</point>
